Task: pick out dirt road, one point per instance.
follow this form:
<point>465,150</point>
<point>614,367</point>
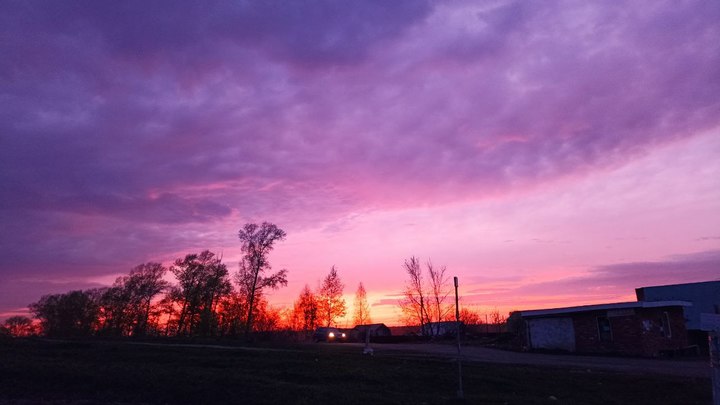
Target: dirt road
<point>685,368</point>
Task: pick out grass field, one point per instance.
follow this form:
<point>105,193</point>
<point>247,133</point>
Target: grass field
<point>106,372</point>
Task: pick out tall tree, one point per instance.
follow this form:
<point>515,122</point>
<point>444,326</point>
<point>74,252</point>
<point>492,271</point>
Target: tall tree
<point>306,310</point>
<point>145,282</point>
<point>331,303</point>
<point>438,310</point>
<point>362,309</point>
<point>414,302</point>
<point>126,305</point>
<point>203,280</point>
<point>423,304</point>
<point>257,242</point>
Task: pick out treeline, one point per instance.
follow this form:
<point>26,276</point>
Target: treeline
<point>206,299</point>
<point>204,302</point>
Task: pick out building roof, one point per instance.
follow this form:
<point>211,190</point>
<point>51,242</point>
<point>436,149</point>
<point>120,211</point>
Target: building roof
<point>699,283</point>
<point>604,307</point>
<point>371,326</point>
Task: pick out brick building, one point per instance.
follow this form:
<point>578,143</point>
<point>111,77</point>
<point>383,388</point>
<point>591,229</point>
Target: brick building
<point>704,296</point>
<point>628,328</point>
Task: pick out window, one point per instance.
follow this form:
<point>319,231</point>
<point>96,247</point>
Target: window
<point>604,330</point>
<point>666,325</point>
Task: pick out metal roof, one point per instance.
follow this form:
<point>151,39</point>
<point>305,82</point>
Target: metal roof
<point>603,307</point>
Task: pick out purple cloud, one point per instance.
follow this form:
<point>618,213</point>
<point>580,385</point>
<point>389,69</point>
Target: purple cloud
<point>125,123</point>
<point>623,278</point>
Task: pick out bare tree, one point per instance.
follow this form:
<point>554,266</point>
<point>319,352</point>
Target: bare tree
<point>497,319</point>
<point>438,310</point>
<point>361,307</point>
<point>257,242</point>
<point>330,301</point>
<point>414,303</point>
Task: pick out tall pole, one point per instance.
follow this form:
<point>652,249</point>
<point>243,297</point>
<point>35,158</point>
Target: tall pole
<point>714,343</point>
<point>457,322</point>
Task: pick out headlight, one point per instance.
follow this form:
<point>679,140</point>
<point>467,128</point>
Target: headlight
<point>331,335</point>
<point>343,335</point>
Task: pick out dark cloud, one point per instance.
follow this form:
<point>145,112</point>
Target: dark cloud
<point>306,33</point>
<point>123,123</point>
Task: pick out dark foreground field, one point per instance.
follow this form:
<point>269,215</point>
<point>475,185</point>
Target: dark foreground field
<point>103,372</point>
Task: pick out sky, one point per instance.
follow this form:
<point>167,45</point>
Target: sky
<point>548,153</point>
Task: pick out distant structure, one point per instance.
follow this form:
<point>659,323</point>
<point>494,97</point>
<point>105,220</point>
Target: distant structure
<point>665,318</point>
<point>360,332</point>
<point>442,329</point>
<point>629,328</point>
<point>704,296</point>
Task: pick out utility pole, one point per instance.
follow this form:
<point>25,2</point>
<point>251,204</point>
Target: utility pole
<point>714,341</point>
<point>711,324</point>
<point>460,394</point>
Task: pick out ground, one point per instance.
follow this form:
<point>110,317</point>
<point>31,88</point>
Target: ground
<point>33,371</point>
<point>688,367</point>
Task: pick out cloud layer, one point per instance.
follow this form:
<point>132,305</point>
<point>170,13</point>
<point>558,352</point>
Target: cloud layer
<point>131,130</point>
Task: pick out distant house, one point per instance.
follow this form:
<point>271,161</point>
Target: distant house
<point>704,296</point>
<point>405,330</point>
<point>629,328</point>
<point>446,329</point>
<point>374,329</point>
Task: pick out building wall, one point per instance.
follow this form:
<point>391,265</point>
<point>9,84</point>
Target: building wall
<point>705,298</point>
<point>634,332</point>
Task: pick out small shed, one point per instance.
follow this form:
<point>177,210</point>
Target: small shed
<point>628,328</point>
<point>374,329</point>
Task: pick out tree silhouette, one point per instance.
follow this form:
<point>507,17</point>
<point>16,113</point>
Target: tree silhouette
<point>73,314</point>
<point>203,280</point>
<point>145,282</point>
<point>414,302</point>
<point>421,304</point>
<point>470,317</point>
<point>257,242</point>
<point>305,310</point>
<point>331,304</point>
<point>361,308</point>
<point>126,305</point>
<point>439,291</point>
<point>18,326</point>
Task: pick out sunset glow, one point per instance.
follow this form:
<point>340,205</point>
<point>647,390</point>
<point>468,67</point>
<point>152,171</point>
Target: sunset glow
<point>548,153</point>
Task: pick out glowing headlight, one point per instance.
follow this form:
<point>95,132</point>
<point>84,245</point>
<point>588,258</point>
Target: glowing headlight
<point>343,335</point>
<point>331,334</point>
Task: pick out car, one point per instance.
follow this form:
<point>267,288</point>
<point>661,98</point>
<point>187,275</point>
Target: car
<point>329,335</point>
